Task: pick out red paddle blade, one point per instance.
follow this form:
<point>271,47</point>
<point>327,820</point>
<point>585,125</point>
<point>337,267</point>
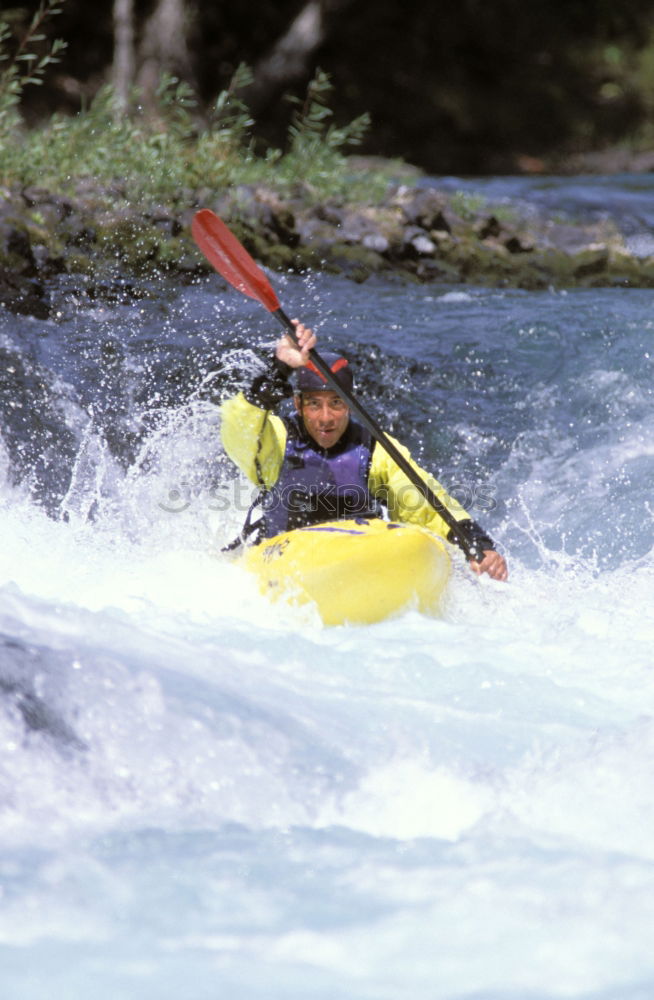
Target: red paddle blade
<point>231,259</point>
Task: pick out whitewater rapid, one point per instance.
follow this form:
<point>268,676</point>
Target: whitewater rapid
<point>203,794</point>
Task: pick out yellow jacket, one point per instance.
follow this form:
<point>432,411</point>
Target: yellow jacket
<point>255,440</point>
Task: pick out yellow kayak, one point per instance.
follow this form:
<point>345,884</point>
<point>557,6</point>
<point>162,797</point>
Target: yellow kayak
<point>354,572</point>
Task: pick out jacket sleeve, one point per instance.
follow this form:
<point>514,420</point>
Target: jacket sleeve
<point>252,436</point>
<point>406,503</point>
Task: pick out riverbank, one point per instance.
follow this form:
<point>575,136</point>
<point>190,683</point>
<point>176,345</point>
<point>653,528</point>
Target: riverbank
<point>418,233</point>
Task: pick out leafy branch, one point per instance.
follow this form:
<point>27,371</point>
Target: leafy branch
<point>230,114</point>
<point>309,130</point>
<point>27,66</point>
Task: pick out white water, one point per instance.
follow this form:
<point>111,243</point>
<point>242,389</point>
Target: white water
<point>266,808</point>
<point>205,796</point>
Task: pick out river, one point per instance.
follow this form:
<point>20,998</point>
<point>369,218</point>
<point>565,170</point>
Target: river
<point>203,795</point>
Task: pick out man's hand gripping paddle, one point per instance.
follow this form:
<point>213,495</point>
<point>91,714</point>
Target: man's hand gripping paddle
<point>231,259</point>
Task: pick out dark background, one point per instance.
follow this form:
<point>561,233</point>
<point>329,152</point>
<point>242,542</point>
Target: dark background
<point>471,87</point>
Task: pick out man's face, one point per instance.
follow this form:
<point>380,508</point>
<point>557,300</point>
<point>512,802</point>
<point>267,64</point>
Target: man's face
<point>325,416</point>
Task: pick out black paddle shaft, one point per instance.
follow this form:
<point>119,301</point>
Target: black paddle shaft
<point>469,546</point>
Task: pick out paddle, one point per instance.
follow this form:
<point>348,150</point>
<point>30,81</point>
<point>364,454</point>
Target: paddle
<point>231,259</point>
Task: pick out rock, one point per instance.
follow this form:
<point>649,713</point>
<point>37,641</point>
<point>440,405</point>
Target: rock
<point>436,269</point>
<point>314,232</point>
<point>591,261</point>
<point>412,231</point>
<point>353,230</point>
<point>166,223</point>
<point>489,227</point>
<point>514,244</point>
<point>423,246</point>
<point>23,295</point>
<point>572,239</point>
<point>328,212</point>
<point>47,204</point>
<point>47,262</point>
<point>356,262</point>
<point>376,242</point>
<point>264,209</point>
<point>82,236</point>
<point>427,208</point>
<point>16,249</point>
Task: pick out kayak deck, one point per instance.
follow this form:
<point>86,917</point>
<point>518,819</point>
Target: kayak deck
<point>357,572</point>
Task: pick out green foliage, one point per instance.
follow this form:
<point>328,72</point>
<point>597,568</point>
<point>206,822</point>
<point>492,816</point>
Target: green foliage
<point>27,65</point>
<point>468,204</point>
<point>476,91</point>
<point>315,153</point>
<point>230,117</point>
<point>226,145</point>
<point>308,131</point>
<point>169,150</point>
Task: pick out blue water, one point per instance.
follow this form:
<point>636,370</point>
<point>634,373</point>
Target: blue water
<point>203,795</point>
<point>626,199</point>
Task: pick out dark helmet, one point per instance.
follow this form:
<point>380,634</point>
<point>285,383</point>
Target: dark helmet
<point>309,379</point>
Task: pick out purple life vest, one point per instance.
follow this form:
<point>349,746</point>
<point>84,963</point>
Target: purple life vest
<point>317,484</point>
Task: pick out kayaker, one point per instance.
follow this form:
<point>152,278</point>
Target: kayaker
<point>319,464</point>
